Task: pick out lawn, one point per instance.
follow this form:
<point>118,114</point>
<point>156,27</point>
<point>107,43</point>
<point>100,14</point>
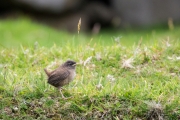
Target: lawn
<point>122,75</point>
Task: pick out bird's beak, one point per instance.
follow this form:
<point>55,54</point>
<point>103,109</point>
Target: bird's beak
<point>75,64</point>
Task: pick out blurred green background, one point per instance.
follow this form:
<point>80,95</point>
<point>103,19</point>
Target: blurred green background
<point>24,31</point>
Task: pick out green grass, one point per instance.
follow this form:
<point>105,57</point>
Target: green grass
<point>146,88</point>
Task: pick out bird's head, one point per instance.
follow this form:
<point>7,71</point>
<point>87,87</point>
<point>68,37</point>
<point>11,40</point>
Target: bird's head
<point>70,64</point>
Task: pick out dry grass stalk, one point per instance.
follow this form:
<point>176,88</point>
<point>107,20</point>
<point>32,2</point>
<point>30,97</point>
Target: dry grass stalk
<point>79,25</point>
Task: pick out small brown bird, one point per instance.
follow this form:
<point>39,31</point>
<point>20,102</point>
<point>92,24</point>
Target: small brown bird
<point>62,75</point>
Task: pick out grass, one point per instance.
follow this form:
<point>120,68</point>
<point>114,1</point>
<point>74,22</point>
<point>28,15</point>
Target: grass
<point>141,81</point>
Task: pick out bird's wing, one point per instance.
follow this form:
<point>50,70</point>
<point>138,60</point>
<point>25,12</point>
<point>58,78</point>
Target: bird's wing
<point>58,76</point>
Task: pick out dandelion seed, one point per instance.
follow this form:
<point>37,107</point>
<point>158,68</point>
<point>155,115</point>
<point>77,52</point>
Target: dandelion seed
<point>166,42</point>
<point>26,51</point>
<point>98,56</point>
<point>177,58</point>
<point>15,108</point>
<point>110,78</point>
<point>40,103</point>
<point>128,63</point>
<point>87,60</point>
<point>15,74</point>
<point>79,25</point>
<point>174,58</point>
<point>117,39</point>
<point>170,58</point>
<point>145,49</point>
<point>173,74</point>
<point>99,86</point>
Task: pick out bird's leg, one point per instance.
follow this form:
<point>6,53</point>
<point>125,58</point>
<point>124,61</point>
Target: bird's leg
<point>60,90</point>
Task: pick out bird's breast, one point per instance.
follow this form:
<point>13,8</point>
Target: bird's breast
<point>72,75</point>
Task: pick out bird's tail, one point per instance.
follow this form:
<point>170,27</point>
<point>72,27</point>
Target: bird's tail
<point>47,73</point>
